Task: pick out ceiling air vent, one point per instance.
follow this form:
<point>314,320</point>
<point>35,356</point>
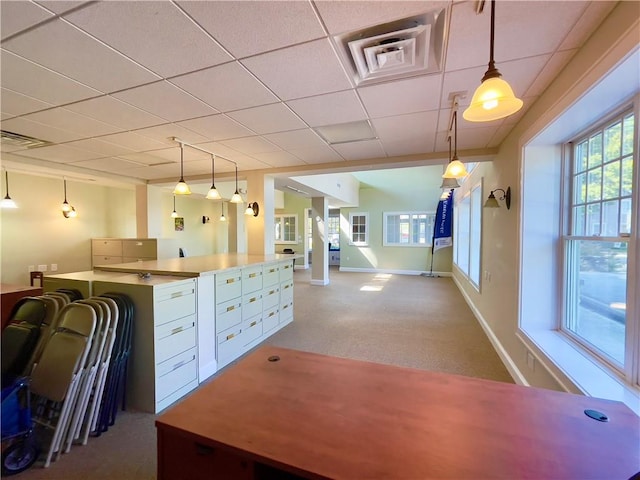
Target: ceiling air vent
<point>405,47</point>
<point>23,141</point>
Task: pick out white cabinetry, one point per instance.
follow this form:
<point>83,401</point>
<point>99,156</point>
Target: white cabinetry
<point>107,251</point>
<point>163,365</point>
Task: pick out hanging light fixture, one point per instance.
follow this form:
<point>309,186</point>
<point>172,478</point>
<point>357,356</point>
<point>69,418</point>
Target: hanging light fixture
<point>455,168</point>
<point>236,198</point>
<point>222,217</point>
<point>213,193</point>
<point>67,210</point>
<point>494,98</point>
<point>7,201</point>
<point>449,183</point>
<point>181,187</point>
<point>174,214</point>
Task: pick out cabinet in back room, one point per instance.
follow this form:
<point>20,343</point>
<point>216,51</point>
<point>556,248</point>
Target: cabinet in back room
<point>107,251</point>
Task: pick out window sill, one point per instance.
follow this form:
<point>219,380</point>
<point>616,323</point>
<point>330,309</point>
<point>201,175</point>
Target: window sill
<point>585,374</point>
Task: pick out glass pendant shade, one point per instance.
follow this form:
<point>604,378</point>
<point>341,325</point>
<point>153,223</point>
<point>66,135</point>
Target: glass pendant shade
<point>236,198</point>
<point>493,99</point>
<point>222,217</point>
<point>450,183</point>
<point>492,202</point>
<point>72,213</point>
<point>248,211</point>
<point>7,201</point>
<point>455,169</point>
<point>213,193</point>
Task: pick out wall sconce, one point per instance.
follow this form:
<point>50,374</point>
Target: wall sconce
<point>252,209</point>
<point>67,210</point>
<point>205,219</point>
<point>492,201</point>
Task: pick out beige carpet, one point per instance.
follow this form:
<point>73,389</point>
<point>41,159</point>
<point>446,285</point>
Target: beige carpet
<point>411,321</point>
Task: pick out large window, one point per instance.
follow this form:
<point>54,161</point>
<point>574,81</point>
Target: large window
<point>286,229</point>
<point>600,207</point>
<point>359,224</point>
<point>468,221</point>
<point>333,229</point>
<point>408,229</point>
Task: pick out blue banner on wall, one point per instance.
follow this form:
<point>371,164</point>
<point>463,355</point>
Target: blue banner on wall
<point>442,230</point>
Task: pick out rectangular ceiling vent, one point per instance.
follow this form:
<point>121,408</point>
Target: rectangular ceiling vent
<point>23,141</point>
<point>405,47</point>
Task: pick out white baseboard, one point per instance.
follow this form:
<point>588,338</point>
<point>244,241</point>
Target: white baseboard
<point>508,362</point>
<point>320,283</point>
<point>395,272</point>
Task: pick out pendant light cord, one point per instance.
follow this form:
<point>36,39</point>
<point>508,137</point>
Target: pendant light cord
<point>181,163</point>
<point>455,133</point>
<point>6,181</point>
<point>64,181</point>
<point>492,71</point>
<point>213,166</point>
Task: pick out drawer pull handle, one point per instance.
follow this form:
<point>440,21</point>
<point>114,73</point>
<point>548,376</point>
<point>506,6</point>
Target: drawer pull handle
<point>176,294</point>
<point>272,292</point>
<point>179,364</point>
<point>287,286</point>
<point>272,270</point>
<point>272,314</point>
<point>176,330</point>
<point>203,449</point>
<point>252,299</point>
<point>253,275</point>
<point>230,336</point>
<point>254,323</point>
<point>230,280</point>
<point>232,307</point>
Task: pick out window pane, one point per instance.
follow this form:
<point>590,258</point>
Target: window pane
<point>581,157</point>
<point>610,219</point>
<point>595,150</point>
<point>393,229</point>
<point>627,134</point>
<point>475,235</point>
<point>579,221</point>
<point>625,215</point>
<point>611,181</point>
<point>593,219</point>
<point>627,176</point>
<point>599,286</point>
<point>594,185</point>
<point>580,188</point>
<point>464,235</point>
<point>612,142</point>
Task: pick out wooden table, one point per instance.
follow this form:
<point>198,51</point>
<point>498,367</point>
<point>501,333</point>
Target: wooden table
<point>314,416</point>
<point>10,294</point>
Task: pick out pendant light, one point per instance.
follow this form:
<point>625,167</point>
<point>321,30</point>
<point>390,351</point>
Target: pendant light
<point>222,217</point>
<point>236,198</point>
<point>7,201</point>
<point>182,188</point>
<point>456,168</point>
<point>449,183</point>
<point>174,214</point>
<point>494,98</point>
<point>67,210</point>
<point>213,193</point>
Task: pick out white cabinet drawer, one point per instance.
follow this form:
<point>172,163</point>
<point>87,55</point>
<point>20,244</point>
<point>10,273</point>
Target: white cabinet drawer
<point>270,275</point>
<point>286,311</point>
<point>105,260</point>
<point>228,286</point>
<point>136,259</point>
<point>106,247</point>
<point>270,297</point>
<point>175,337</point>
<point>286,271</point>
<point>175,301</point>
<point>251,279</point>
<point>270,319</point>
<point>251,330</point>
<point>229,344</point>
<point>251,305</point>
<point>173,374</point>
<point>228,314</point>
<point>139,248</point>
<point>286,291</point>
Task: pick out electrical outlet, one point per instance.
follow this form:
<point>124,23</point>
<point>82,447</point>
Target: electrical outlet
<point>31,268</point>
<point>42,268</point>
<point>54,267</point>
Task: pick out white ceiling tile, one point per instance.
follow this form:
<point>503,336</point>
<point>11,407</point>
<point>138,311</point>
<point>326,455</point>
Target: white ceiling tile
<point>550,71</point>
<point>58,153</point>
<point>152,173</point>
<point>588,22</point>
<point>226,87</point>
<point>300,71</point>
<point>296,139</point>
<point>173,154</point>
<point>340,16</point>
<point>38,130</point>
<point>170,44</point>
<point>222,152</point>
<point>30,79</point>
<point>405,127</point>
<point>111,110</point>
<point>217,127</point>
<point>329,109</point>
<point>319,154</point>
<point>69,51</point>
<point>61,6</point>
<point>277,159</point>
<point>14,103</point>
<point>251,145</point>
<point>166,101</point>
<point>73,122</point>
<point>408,147</point>
<point>272,118</point>
<point>403,96</point>
<point>468,138</point>
<point>16,16</point>
<point>111,164</point>
<point>103,149</point>
<point>149,159</point>
<point>133,141</point>
<point>164,133</point>
<point>360,150</point>
<point>266,25</point>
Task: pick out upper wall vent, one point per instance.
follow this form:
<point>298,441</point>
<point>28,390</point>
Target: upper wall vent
<point>409,46</point>
<point>22,141</point>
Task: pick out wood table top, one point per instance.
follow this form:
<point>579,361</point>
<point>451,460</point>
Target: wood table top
<point>328,417</point>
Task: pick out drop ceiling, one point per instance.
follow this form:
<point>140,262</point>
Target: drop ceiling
<point>108,84</point>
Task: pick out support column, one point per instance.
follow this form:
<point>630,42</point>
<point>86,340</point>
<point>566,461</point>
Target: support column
<point>320,264</point>
<point>260,230</point>
<point>142,212</point>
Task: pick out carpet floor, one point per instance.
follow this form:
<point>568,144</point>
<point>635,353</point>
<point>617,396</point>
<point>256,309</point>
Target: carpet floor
<point>410,321</point>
